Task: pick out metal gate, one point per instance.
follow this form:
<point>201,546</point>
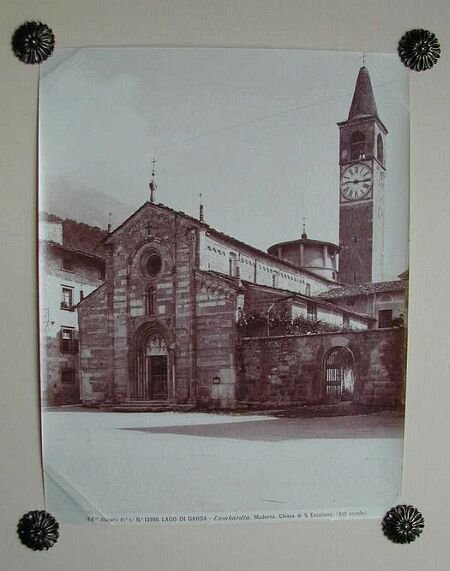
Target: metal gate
<point>339,375</point>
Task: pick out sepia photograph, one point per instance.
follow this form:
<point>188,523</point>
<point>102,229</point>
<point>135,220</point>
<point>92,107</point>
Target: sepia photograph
<point>223,283</point>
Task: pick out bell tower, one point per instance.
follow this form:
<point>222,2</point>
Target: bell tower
<point>362,167</point>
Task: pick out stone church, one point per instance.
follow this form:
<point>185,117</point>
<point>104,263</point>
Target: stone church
<point>190,317</point>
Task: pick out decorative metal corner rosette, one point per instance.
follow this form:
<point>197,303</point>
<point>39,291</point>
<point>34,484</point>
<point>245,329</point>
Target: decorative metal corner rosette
<point>33,42</point>
<point>403,524</point>
<point>419,49</point>
<point>38,530</point>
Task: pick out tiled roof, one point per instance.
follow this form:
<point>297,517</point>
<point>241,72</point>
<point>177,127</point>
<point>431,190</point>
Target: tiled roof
<point>295,295</point>
<point>64,248</point>
<point>230,280</point>
<point>363,289</point>
<point>225,237</point>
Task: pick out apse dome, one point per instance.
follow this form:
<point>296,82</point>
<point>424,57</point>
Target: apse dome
<point>320,258</point>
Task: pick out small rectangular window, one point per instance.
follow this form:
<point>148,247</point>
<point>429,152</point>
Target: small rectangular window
<point>384,318</point>
<point>101,272</point>
<point>311,309</point>
<point>68,376</point>
<point>67,263</point>
<point>308,289</point>
<point>67,298</point>
<point>81,295</point>
<point>68,342</point>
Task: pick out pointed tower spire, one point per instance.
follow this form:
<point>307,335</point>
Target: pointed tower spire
<point>363,102</point>
<point>152,185</point>
<point>201,213</point>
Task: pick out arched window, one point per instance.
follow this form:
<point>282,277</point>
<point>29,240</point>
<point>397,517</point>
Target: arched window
<point>385,297</point>
<point>380,150</point>
<point>232,264</point>
<point>357,146</point>
<point>149,301</point>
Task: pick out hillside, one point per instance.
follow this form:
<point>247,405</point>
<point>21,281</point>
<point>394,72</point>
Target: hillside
<point>78,235</point>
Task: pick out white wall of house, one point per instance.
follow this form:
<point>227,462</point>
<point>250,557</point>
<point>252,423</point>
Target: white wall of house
<point>336,317</point>
<point>51,231</point>
<point>50,298</point>
<point>358,324</point>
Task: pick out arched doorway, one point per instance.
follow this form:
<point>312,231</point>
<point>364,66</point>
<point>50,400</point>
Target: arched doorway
<point>339,375</point>
<point>151,369</point>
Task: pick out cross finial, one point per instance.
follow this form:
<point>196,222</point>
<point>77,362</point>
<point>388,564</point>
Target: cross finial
<point>152,185</point>
<point>363,58</point>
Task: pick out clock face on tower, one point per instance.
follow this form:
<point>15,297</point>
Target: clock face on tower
<point>356,181</point>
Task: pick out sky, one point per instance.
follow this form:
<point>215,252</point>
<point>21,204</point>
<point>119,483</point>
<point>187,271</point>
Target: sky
<point>253,130</point>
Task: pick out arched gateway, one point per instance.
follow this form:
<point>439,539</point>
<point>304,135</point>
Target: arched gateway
<point>339,375</point>
<point>149,366</point>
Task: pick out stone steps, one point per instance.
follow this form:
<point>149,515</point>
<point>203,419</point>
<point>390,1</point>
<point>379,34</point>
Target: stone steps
<point>149,406</point>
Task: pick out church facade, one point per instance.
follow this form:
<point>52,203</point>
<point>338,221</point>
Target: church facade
<point>190,317</point>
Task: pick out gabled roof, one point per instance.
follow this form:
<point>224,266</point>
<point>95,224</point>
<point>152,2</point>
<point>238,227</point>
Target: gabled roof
<point>363,289</point>
<point>230,281</point>
<point>212,231</point>
<point>107,238</point>
<point>91,295</point>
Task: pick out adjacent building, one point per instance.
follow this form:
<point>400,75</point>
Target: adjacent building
<point>67,275</point>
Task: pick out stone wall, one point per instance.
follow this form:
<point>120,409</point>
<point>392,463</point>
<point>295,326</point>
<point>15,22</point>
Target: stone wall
<point>193,311</point>
<point>55,392</point>
<point>216,312</point>
<point>174,239</point>
<point>290,370</point>
<point>96,349</point>
<point>355,239</point>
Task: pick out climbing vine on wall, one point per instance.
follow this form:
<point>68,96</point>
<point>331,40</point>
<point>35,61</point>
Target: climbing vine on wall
<point>255,323</point>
